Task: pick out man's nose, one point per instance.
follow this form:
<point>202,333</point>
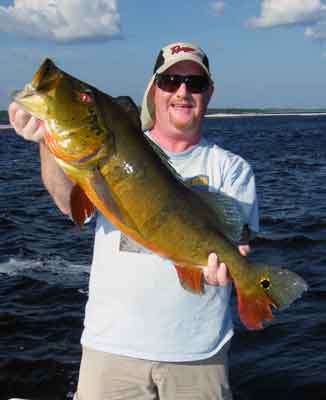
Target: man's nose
<point>182,90</point>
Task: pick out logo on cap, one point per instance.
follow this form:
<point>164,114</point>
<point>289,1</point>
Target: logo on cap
<point>178,48</point>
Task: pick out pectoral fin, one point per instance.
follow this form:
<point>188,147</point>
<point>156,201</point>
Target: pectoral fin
<point>92,191</point>
<point>104,195</point>
<point>98,191</point>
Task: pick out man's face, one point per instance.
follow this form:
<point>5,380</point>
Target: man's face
<point>181,112</point>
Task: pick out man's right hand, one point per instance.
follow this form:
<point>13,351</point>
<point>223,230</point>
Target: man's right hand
<point>25,124</point>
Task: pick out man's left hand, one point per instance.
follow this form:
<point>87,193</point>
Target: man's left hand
<point>216,273</point>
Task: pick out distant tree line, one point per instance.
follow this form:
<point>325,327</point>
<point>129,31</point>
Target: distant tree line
<point>4,119</point>
<point>264,110</point>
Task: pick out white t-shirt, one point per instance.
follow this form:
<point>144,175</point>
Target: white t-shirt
<point>136,305</point>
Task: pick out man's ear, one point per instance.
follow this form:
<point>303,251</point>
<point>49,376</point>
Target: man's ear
<point>152,91</point>
<point>210,92</point>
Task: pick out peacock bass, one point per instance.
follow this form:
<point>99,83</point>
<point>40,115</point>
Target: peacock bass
<point>98,142</point>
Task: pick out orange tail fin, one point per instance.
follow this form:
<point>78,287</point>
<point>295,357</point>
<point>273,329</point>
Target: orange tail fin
<point>267,287</point>
<point>253,309</point>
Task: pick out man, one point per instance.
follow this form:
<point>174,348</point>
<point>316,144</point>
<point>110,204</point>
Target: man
<point>146,337</point>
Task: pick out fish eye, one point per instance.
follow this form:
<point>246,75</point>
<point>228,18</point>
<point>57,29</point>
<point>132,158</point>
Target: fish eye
<point>86,97</point>
<point>265,283</point>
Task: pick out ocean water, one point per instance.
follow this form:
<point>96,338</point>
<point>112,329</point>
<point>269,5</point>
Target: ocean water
<point>45,262</point>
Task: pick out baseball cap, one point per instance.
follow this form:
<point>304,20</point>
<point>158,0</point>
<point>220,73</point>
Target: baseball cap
<point>168,56</point>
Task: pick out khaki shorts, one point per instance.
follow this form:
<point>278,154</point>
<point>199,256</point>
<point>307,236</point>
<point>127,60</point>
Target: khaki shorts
<point>105,376</point>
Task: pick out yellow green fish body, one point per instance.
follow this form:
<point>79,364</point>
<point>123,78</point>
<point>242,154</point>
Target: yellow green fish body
<point>98,141</point>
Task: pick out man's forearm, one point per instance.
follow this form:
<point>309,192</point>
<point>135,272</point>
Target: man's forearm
<point>55,181</point>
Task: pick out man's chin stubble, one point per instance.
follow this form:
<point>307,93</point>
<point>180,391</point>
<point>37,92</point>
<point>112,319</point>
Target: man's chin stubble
<point>181,124</point>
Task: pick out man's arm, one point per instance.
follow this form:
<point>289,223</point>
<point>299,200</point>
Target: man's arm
<point>54,179</point>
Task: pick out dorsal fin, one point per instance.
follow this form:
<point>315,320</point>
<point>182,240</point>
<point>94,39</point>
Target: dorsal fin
<point>225,208</point>
<point>226,212</point>
<point>164,158</point>
<point>129,106</point>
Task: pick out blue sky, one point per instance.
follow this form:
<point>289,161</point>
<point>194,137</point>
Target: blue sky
<point>263,53</point>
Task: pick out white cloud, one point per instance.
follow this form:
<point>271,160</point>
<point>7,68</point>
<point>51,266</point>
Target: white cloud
<point>217,7</point>
<point>288,12</point>
<point>62,20</point>
<point>317,32</point>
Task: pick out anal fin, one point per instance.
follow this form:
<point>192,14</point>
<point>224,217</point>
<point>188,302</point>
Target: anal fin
<point>191,278</point>
<point>81,206</point>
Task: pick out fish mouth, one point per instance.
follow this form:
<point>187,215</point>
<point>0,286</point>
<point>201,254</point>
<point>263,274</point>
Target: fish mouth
<point>44,79</point>
<point>27,91</point>
<point>30,101</point>
<point>31,97</point>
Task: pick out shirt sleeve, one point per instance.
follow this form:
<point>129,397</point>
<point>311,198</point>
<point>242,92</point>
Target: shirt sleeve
<point>239,183</point>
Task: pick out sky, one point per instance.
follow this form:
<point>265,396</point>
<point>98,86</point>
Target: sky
<point>262,53</point>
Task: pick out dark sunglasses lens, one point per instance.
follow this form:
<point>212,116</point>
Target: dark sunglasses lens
<point>197,84</point>
<point>168,83</point>
<point>171,83</point>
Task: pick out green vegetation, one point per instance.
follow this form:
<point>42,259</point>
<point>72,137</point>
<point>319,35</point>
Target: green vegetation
<point>4,119</point>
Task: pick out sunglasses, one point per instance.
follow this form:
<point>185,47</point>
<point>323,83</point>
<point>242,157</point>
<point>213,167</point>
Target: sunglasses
<point>171,83</point>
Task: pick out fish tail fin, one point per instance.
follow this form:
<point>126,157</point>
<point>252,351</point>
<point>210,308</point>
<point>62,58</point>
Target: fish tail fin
<point>267,287</point>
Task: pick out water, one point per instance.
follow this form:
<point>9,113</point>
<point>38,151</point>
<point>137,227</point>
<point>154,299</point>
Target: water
<point>45,261</point>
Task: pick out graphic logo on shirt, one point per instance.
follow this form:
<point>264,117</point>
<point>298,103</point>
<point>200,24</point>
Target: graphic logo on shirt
<point>200,181</point>
<point>128,245</point>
